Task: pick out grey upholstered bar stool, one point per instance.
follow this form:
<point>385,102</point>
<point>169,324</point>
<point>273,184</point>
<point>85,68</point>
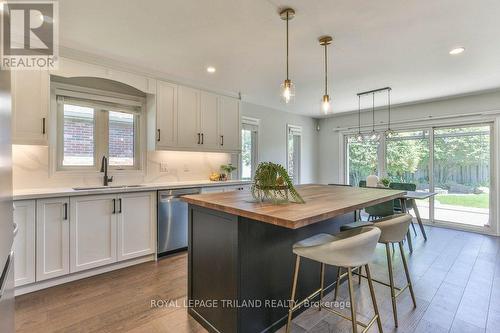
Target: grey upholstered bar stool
<point>347,249</point>
<point>394,229</point>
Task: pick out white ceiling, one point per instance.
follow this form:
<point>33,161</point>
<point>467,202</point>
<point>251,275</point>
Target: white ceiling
<point>402,44</point>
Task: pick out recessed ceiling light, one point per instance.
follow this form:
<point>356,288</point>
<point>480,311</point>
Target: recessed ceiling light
<point>211,69</point>
<point>457,50</point>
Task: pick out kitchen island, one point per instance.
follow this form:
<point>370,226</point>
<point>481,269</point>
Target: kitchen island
<point>240,260</point>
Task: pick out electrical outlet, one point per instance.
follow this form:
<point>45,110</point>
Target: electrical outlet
<point>163,167</point>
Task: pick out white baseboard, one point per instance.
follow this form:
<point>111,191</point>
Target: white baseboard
<point>21,290</point>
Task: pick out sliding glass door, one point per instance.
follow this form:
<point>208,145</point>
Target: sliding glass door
<point>462,159</point>
<point>407,156</point>
<point>454,162</point>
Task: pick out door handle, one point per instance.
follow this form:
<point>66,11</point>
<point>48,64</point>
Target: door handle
<point>201,138</point>
<point>65,211</point>
<point>43,125</point>
<point>114,206</point>
<point>120,201</point>
<point>159,135</point>
<point>222,140</point>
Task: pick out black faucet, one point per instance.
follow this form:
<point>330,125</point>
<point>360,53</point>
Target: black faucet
<point>104,168</point>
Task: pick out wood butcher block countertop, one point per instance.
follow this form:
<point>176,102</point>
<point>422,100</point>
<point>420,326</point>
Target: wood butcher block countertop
<point>322,202</point>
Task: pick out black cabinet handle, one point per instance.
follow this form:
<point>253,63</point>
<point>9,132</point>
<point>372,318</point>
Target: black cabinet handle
<point>222,140</point>
<point>114,206</point>
<point>43,125</point>
<point>65,211</point>
<point>159,133</point>
<point>201,138</point>
<point>120,211</point>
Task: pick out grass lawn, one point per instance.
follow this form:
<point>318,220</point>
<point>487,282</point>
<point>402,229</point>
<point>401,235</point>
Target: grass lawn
<point>464,200</point>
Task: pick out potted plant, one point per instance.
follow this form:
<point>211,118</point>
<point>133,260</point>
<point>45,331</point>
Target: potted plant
<point>272,182</point>
<point>385,182</point>
<point>227,169</point>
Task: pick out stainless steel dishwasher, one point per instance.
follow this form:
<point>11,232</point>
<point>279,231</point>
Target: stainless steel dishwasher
<point>173,220</point>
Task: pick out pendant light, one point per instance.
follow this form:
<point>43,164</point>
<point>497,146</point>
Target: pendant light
<point>287,88</point>
<point>374,136</point>
<point>359,136</point>
<point>325,103</point>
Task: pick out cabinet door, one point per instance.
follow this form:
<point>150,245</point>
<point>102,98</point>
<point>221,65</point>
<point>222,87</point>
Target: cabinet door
<point>92,231</point>
<point>230,124</point>
<point>209,121</point>
<point>52,238</point>
<point>166,115</point>
<point>136,224</point>
<point>30,103</point>
<point>188,117</point>
<point>24,242</point>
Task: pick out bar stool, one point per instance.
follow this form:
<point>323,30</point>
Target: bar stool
<point>347,249</point>
<point>394,229</point>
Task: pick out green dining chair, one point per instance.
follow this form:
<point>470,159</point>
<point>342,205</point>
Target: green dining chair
<point>397,203</point>
<point>380,210</point>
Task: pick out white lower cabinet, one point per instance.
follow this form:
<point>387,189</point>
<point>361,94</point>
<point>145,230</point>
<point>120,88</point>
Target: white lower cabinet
<point>24,242</point>
<point>92,231</point>
<point>136,224</point>
<point>52,238</point>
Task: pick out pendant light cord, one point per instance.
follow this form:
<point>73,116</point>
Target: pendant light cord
<point>389,108</point>
<point>326,70</point>
<point>287,19</point>
<point>359,114</point>
<point>373,112</point>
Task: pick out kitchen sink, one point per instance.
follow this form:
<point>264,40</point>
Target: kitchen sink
<point>88,188</point>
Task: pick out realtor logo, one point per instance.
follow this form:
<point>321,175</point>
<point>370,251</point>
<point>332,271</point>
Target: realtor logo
<point>29,35</point>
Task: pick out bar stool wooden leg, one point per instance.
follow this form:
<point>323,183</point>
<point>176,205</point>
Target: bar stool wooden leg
<point>322,278</point>
<point>374,299</point>
<point>353,301</point>
<point>337,285</point>
<point>405,265</point>
<point>292,297</point>
<point>391,282</point>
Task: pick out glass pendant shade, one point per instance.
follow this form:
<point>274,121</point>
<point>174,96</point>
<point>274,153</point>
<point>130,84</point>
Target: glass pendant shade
<point>287,91</point>
<point>326,106</point>
<point>360,137</point>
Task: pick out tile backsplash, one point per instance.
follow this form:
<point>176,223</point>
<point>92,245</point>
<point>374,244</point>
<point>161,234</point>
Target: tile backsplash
<point>31,169</point>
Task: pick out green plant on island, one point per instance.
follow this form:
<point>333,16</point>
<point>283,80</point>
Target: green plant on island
<point>272,182</point>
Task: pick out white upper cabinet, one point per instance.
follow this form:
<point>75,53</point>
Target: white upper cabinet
<point>188,115</point>
<point>209,121</point>
<point>30,105</point>
<point>136,224</point>
<point>92,231</point>
<point>52,238</point>
<point>229,124</point>
<point>166,115</point>
<point>24,242</point>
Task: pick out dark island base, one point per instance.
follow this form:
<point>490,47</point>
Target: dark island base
<point>240,270</point>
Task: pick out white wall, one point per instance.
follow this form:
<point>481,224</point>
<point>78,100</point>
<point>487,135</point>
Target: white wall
<point>272,138</point>
<point>330,140</point>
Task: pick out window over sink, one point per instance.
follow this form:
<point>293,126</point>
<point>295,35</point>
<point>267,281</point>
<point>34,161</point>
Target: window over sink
<point>92,124</point>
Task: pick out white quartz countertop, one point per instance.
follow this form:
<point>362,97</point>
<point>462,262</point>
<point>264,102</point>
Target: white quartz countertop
<point>39,193</point>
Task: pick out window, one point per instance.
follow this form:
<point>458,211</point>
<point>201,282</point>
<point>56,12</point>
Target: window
<point>294,135</point>
<point>362,159</point>
<point>91,126</point>
<point>249,137</point>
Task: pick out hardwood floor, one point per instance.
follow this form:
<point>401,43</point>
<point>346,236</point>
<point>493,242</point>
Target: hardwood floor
<point>456,277</point>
